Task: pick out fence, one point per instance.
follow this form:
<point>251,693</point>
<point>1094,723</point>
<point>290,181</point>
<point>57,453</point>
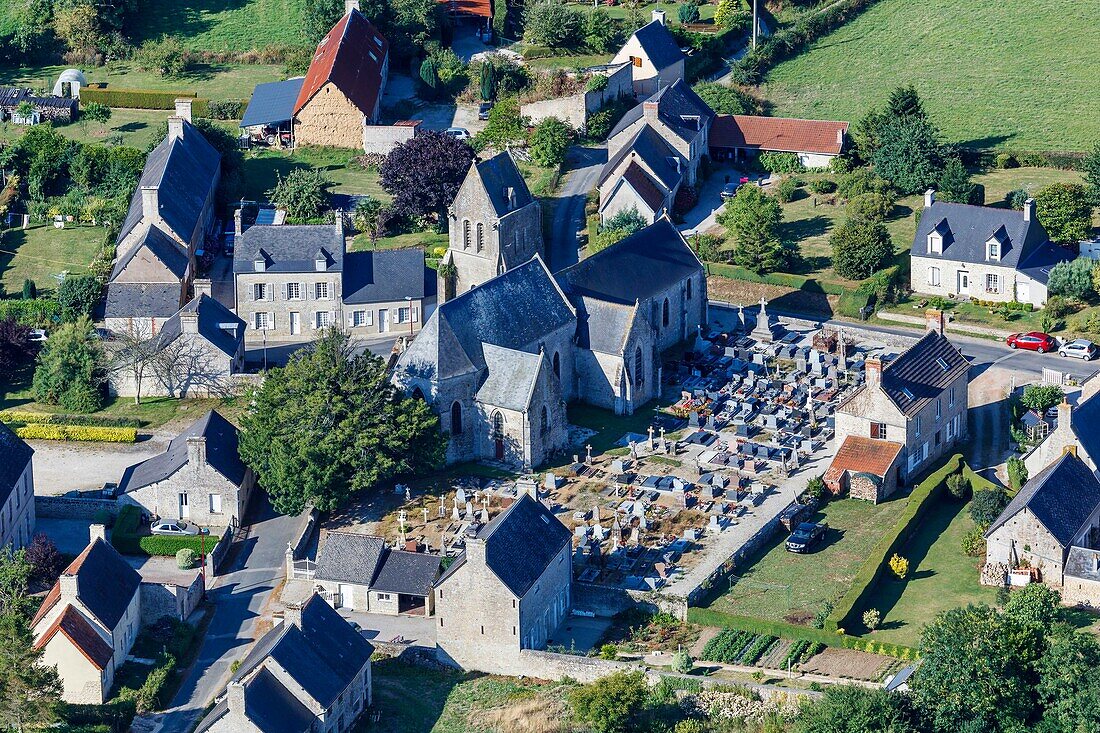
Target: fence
<point>297,564</point>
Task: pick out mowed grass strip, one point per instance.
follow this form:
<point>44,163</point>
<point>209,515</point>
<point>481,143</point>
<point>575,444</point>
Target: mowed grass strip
<point>991,73</point>
<point>218,25</point>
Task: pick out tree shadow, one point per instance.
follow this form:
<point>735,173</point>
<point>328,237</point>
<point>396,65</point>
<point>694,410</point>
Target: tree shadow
<point>989,141</point>
<point>131,127</point>
<point>795,231</point>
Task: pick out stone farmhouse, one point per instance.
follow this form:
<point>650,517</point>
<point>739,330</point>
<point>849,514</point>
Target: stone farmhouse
<point>738,137</point>
<point>981,252</point>
<point>16,490</point>
<point>1053,526</point>
<point>360,573</point>
<point>89,620</point>
<point>199,478</point>
<point>169,218</point>
<point>655,58</point>
<point>1077,426</point>
<point>500,362</point>
<point>292,282</point>
<point>342,91</point>
<point>495,225</point>
<point>311,673</point>
<point>508,590</point>
<point>905,415</point>
<point>644,176</point>
<point>46,108</point>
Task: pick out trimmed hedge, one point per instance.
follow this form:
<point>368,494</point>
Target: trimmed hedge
<point>50,418</point>
<point>920,500</point>
<point>126,538</point>
<point>39,312</point>
<point>138,98</point>
<point>83,433</point>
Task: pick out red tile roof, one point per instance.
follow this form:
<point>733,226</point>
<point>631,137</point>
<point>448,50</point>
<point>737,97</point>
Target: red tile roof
<point>480,8</point>
<point>644,185</point>
<point>863,455</point>
<point>782,134</point>
<point>351,57</point>
<point>77,630</point>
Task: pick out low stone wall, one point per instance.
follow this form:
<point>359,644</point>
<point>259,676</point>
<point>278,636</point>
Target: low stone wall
<point>216,557</point>
<point>65,507</point>
<point>606,601</point>
<point>552,666</point>
<point>951,326</point>
<point>381,139</point>
<point>730,564</point>
<point>159,600</point>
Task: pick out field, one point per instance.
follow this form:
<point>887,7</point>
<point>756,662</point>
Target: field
<point>210,81</point>
<point>777,585</point>
<point>42,252</point>
<point>220,25</point>
<point>991,73</point>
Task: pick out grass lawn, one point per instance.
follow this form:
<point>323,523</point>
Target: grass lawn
<point>941,577</point>
<point>570,60</point>
<point>263,165</point>
<point>135,128</point>
<point>609,426</point>
<point>778,585</point>
<point>217,25</point>
<point>42,252</point>
<point>990,73</point>
<point>428,240</point>
<point>210,81</point>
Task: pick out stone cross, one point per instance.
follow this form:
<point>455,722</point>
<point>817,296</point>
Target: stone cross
<point>588,455</point>
<point>650,444</point>
<point>425,511</point>
<point>408,494</point>
<point>442,507</point>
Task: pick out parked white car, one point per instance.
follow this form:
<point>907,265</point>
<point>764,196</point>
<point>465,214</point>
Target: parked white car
<point>37,335</point>
<point>173,528</point>
<point>458,133</point>
<point>1081,348</point>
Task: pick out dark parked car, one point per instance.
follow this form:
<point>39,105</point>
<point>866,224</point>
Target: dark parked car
<point>1034,341</point>
<point>729,190</point>
<point>483,110</point>
<point>806,535</point>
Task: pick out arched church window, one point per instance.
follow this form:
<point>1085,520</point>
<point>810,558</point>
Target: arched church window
<point>544,421</point>
<point>497,426</point>
<point>418,393</point>
<point>639,368</point>
<point>689,288</point>
<point>465,234</point>
<point>664,316</point>
<point>557,365</point>
<point>456,419</point>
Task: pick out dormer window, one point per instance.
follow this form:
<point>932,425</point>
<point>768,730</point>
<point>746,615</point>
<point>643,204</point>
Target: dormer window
<point>935,243</point>
<point>993,250</point>
<point>259,265</point>
<point>320,262</point>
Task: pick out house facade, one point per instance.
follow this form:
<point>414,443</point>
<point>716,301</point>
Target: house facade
<point>981,252</point>
<point>360,573</point>
<point>918,401</point>
<point>643,176</point>
<point>16,490</point>
<point>508,590</point>
<point>1076,427</point>
<point>655,58</point>
<point>199,478</point>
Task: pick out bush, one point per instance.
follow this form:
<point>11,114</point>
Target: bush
<point>303,193</point>
<point>822,615</point>
<point>1017,197</point>
<point>682,662</point>
<point>35,313</point>
<point>860,181</point>
<point>553,23</point>
<point>550,141</point>
<point>871,618</point>
<point>958,485</point>
<point>1065,211</point>
<point>688,13</point>
<point>69,371</point>
<point>986,506</point>
<point>45,559</point>
<point>81,433</point>
<point>860,247</point>
<point>780,162</point>
<point>1006,160</point>
<point>1058,307</point>
<point>610,704</point>
<point>225,109</point>
<point>1072,279</point>
<point>899,566</point>
<point>78,295</point>
<point>138,98</point>
<point>973,543</point>
<point>869,206</point>
<point>166,57</point>
<point>823,185</point>
<point>1017,473</point>
<point>786,190</point>
<point>186,558</point>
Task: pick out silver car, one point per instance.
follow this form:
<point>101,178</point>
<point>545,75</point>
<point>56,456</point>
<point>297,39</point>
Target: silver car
<point>173,528</point>
<point>1081,348</point>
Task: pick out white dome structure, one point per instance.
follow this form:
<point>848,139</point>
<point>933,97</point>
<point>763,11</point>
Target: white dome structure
<point>69,83</point>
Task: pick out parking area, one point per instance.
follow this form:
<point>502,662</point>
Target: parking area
<point>401,93</point>
<point>703,217</point>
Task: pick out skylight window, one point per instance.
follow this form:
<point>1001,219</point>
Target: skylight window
<point>943,364</point>
<point>908,395</point>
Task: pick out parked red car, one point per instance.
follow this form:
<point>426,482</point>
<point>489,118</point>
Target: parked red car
<point>1034,341</point>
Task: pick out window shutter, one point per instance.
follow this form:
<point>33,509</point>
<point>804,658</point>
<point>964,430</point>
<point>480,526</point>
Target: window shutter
<point>282,289</point>
<point>415,314</point>
<point>351,318</point>
<point>272,317</point>
<point>256,321</point>
<point>370,317</point>
<point>332,317</point>
<point>248,292</point>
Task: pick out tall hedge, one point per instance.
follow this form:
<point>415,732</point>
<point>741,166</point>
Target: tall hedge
<point>40,312</point>
<point>127,539</point>
<point>142,99</point>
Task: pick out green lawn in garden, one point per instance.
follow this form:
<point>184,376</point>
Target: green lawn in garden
<point>262,166</point>
<point>210,81</point>
<point>41,252</point>
<point>429,240</point>
<point>220,25</point>
<point>991,73</point>
<point>778,585</point>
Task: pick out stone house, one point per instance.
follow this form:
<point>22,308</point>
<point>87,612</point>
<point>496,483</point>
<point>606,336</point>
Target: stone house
<point>679,116</point>
<point>46,109</point>
<point>199,478</point>
<point>865,468</point>
<point>643,176</point>
<point>1057,510</point>
<point>495,225</point>
<point>360,573</point>
<point>310,674</point>
<point>1076,426</point>
<point>655,58</point>
<point>740,137</point>
<point>509,589</point>
<point>918,400</point>
<point>386,291</point>
<point>963,251</point>
<point>16,490</point>
<point>89,620</point>
<point>170,216</point>
<point>342,91</point>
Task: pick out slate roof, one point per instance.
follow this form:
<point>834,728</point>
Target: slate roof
<point>105,584</point>
<point>498,174</point>
<point>514,310</point>
<point>1038,264</point>
<point>184,170</point>
<point>17,456</point>
<point>520,544</point>
<point>966,229</point>
<point>384,275</point>
<point>645,187</point>
<point>1083,562</point>
<point>510,378</point>
<point>347,557</point>
<point>648,145</point>
<point>411,573</point>
<point>1062,497</point>
<point>77,630</point>
<point>659,44</point>
<point>289,248</point>
<point>646,262</point>
<point>142,300</point>
<point>783,134</point>
<point>350,56</point>
<point>864,455</point>
<point>918,370</point>
<point>217,324</point>
<point>161,246</point>
<point>272,103</point>
<point>604,326</point>
<point>1084,419</point>
<point>674,102</point>
<point>273,708</point>
<point>221,455</point>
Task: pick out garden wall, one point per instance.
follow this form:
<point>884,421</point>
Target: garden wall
<point>553,666</point>
<point>216,557</point>
<point>576,108</point>
<point>606,602</point>
<point>64,507</point>
<point>159,600</point>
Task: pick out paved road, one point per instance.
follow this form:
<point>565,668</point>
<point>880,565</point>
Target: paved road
<point>582,169</point>
<point>239,599</point>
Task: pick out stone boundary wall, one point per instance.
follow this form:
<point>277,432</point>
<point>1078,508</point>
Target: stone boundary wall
<point>67,507</point>
<point>169,599</point>
<point>215,557</point>
<point>730,564</point>
<point>959,328</point>
<point>553,666</point>
<point>381,139</point>
<point>576,108</point>
<point>606,601</point>
<point>850,330</point>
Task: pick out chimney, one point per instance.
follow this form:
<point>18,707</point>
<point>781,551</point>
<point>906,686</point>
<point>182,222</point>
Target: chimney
<point>475,551</point>
<point>183,108</point>
<point>234,697</point>
<point>189,323</point>
<point>1029,209</point>
<point>293,615</point>
<point>175,128</point>
<point>934,319</point>
<point>874,371</point>
<point>510,195</point>
<point>350,5</point>
<point>196,449</point>
<point>68,587</point>
<point>238,227</point>
<point>1070,449</point>
<point>340,227</point>
<point>1065,413</point>
<point>203,286</point>
<point>929,198</point>
<point>150,203</point>
<point>840,138</point>
<point>97,532</point>
<point>659,16</point>
<point>649,111</point>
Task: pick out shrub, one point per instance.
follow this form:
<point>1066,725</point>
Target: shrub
<point>1065,211</point>
<point>958,485</point>
<point>973,543</point>
<point>166,57</point>
<point>1041,397</point>
<point>78,295</point>
<point>81,433</point>
<point>871,618</point>
<point>688,13</point>
<point>35,313</point>
<point>1017,473</point>
<point>823,185</point>
<point>860,181</point>
<point>303,193</point>
<point>609,651</point>
<point>822,615</point>
<point>1017,197</point>
<point>708,247</point>
<point>986,506</point>
<point>550,141</point>
<point>610,704</point>
<point>553,23</point>
<point>596,83</point>
<point>682,662</point>
<point>1058,307</point>
<point>786,190</point>
<point>225,109</point>
<point>869,206</point>
<point>59,418</point>
<point>45,559</point>
<point>860,247</point>
<point>1072,279</point>
<point>138,98</point>
<point>686,199</point>
<point>899,565</point>
<point>1006,160</point>
<point>780,162</point>
<point>186,558</point>
<point>815,488</point>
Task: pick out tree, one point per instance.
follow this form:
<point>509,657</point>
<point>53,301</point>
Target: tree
<point>1073,279</point>
<point>15,575</point>
<point>860,247</point>
<point>96,112</point>
<point>1042,397</point>
<point>909,154</point>
<point>552,23</point>
<point>688,13</point>
<point>330,426</point>
<point>954,184</point>
<point>504,127</point>
<point>1036,604</point>
<point>30,691</point>
<point>44,558</point>
<point>488,82</point>
<point>899,566</point>
<point>78,296</point>
<point>604,239</point>
<point>852,709</point>
<point>1065,211</point>
<point>752,218</point>
<point>602,32</point>
<point>905,102</point>
<point>550,141</point>
<point>318,18</point>
<point>368,217</point>
<point>724,100</point>
<point>987,505</point>
<point>303,193</point>
<point>610,704</point>
<point>423,175</point>
<point>15,349</point>
<point>133,353</point>
<point>78,28</point>
<point>429,77</point>
<point>70,370</point>
<point>1017,472</point>
<point>958,485</point>
<point>30,290</point>
<point>627,220</point>
<point>1090,167</point>
<point>728,13</point>
<point>870,206</point>
<point>164,57</point>
<point>682,662</point>
<point>1068,688</point>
